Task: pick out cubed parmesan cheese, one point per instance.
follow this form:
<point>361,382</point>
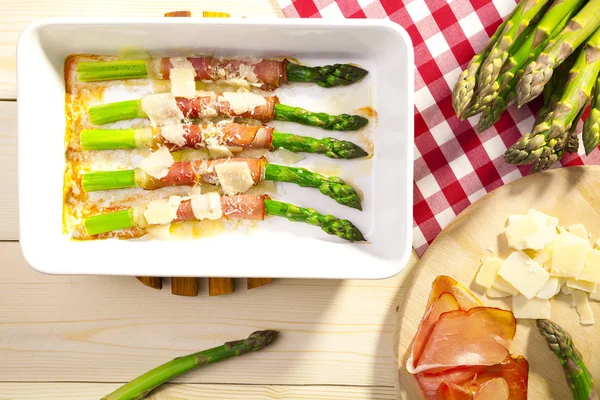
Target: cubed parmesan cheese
<point>501,285</point>
<point>182,82</point>
<point>496,294</point>
<point>527,276</point>
<point>530,308</point>
<point>234,177</point>
<point>162,211</point>
<point>242,102</point>
<point>488,272</point>
<point>531,231</point>
<point>549,290</point>
<point>591,269</point>
<point>568,259</point>
<point>158,163</point>
<point>207,206</point>
<point>579,230</point>
<point>580,301</point>
<point>162,109</point>
<point>589,287</point>
<point>174,134</point>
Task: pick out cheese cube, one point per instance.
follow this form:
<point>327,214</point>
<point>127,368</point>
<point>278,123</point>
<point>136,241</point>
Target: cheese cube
<point>580,301</point>
<point>579,230</point>
<point>584,286</point>
<point>531,231</point>
<point>501,285</point>
<point>527,276</point>
<point>549,290</point>
<point>591,269</point>
<point>568,259</point>
<point>530,308</point>
<point>488,272</point>
<point>496,294</point>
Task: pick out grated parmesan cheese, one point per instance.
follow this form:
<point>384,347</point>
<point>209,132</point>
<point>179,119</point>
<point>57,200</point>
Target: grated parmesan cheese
<point>162,109</point>
<point>158,163</point>
<point>174,134</point>
<point>234,177</point>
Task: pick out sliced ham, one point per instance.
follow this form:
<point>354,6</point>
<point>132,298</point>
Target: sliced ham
<point>210,106</point>
<point>452,391</point>
<point>234,207</point>
<point>445,284</point>
<point>231,134</point>
<point>494,389</point>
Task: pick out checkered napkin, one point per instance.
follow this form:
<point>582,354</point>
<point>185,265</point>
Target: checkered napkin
<point>454,166</point>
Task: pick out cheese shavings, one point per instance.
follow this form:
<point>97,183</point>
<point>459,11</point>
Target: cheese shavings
<point>162,211</point>
<point>217,150</point>
<point>488,272</point>
<point>530,308</point>
<point>207,206</point>
<point>234,177</point>
<point>162,109</point>
<point>158,163</point>
<point>527,276</point>
<point>182,82</point>
<point>531,231</point>
<point>174,134</point>
<point>581,302</point>
<point>243,102</point>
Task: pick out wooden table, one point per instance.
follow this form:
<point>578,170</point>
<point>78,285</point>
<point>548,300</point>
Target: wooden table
<point>75,337</point>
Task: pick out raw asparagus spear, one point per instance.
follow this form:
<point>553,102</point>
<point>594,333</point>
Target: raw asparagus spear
<point>328,223</point>
<point>517,25</point>
<point>578,376</point>
<point>141,386</point>
<point>324,76</point>
<point>577,31</point>
<point>108,139</point>
<point>591,127</point>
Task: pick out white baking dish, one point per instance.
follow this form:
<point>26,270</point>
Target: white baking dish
<point>275,248</point>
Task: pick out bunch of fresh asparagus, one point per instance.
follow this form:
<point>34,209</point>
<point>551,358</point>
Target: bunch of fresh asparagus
<point>549,47</point>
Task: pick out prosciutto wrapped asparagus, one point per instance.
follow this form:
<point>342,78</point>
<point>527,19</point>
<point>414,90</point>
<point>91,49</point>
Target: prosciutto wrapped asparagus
<point>213,206</point>
<point>178,136</point>
<point>234,175</point>
<point>166,109</point>
<point>263,73</point>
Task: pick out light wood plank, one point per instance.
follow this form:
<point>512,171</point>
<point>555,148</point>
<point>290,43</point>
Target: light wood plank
<point>17,14</point>
<point>109,329</point>
<point>9,228</point>
<point>93,391</point>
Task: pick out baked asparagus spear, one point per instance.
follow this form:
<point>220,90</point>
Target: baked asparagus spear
<point>141,386</point>
<point>577,31</point>
<point>578,376</point>
<point>591,127</point>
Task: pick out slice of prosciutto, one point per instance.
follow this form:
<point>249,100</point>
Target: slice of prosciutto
<point>211,105</point>
<point>229,134</point>
<point>234,207</point>
<point>190,173</point>
<point>266,74</point>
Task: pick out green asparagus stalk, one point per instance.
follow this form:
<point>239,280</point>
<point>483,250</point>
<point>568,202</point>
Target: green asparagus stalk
<point>141,386</point>
<point>591,127</point>
<point>111,112</point>
<point>333,186</point>
<point>114,221</point>
<point>328,223</point>
<point>572,142</point>
<point>324,76</point>
<point>514,31</point>
<point>578,376</point>
<point>108,139</point>
<point>577,31</point>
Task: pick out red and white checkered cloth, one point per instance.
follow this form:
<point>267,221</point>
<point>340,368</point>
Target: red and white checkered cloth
<point>454,166</point>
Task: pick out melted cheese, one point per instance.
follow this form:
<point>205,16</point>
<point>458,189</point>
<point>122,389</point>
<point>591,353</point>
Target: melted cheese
<point>242,102</point>
<point>207,206</point>
<point>174,134</point>
<point>158,163</point>
<point>162,109</point>
<point>234,177</point>
<point>162,211</point>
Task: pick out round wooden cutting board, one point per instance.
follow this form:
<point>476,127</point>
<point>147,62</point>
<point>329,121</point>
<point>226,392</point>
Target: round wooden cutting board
<point>570,194</point>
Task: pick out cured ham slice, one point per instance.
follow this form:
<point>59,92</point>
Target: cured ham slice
<point>445,284</point>
<point>213,105</point>
<point>230,134</point>
<point>266,74</point>
<point>233,207</point>
<point>494,389</point>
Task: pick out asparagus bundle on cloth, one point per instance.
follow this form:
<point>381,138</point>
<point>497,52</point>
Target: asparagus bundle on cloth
<point>234,175</point>
<point>266,74</point>
<point>578,376</point>
<point>210,135</point>
<point>167,109</point>
<point>212,206</point>
<point>591,127</point>
<point>141,386</point>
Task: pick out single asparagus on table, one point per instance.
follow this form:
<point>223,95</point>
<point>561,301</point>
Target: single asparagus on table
<point>515,31</point>
<point>210,107</point>
<point>234,207</point>
<point>189,173</point>
<point>545,145</point>
<point>141,386</point>
<point>208,68</point>
<point>235,135</point>
<point>539,71</point>
<point>578,376</point>
<point>591,127</point>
